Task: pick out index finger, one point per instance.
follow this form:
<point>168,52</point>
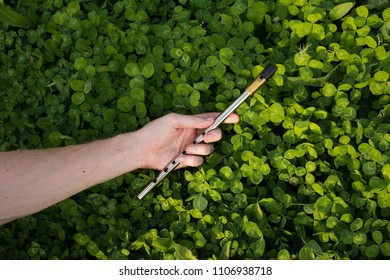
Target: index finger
<point>232,118</point>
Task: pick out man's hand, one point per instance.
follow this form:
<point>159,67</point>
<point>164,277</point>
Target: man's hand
<point>165,138</point>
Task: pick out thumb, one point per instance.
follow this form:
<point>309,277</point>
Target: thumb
<point>194,121</point>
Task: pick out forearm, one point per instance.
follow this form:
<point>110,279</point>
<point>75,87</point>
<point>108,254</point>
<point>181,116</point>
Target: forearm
<point>32,180</point>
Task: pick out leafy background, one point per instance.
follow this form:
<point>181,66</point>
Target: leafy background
<point>305,174</point>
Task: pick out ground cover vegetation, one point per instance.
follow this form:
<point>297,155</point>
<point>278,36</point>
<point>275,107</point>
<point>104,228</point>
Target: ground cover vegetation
<point>305,174</point>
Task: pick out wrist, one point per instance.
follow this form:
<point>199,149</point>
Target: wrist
<point>129,146</point>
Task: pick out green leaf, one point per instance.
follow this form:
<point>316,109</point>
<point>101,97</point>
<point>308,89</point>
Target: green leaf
<point>132,69</point>
<point>238,8</point>
<point>140,110</point>
<point>227,173</point>
<point>11,17</point>
<point>215,195</point>
<point>346,236</point>
<point>340,10</point>
<point>372,251</point>
<point>385,249</point>
<point>125,104</point>
<point>252,230</point>
<point>386,172</point>
<point>225,251</point>
<point>93,248</point>
<point>212,61</point>
<point>148,70</point>
<point>162,244</point>
<point>323,204</point>
<point>256,12</point>
<point>356,224</point>
<point>276,113</point>
<point>329,90</point>
<point>369,168</point>
<point>78,98</point>
<point>72,8</point>
<point>384,199</point>
<point>306,254</point>
<point>200,203</point>
<point>225,54</point>
<point>381,76</point>
<point>194,98</point>
<point>377,236</point>
<point>81,238</point>
<point>283,255</point>
<point>362,11</point>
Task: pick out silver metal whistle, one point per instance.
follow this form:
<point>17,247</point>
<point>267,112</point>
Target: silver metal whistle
<point>255,85</point>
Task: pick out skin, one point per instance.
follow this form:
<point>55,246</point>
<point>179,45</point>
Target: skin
<point>32,180</point>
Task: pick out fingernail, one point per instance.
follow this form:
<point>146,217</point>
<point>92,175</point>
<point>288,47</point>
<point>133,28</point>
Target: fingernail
<point>190,149</point>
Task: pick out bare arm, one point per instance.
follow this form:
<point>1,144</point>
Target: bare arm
<point>32,180</point>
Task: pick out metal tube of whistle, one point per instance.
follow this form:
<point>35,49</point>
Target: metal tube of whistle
<point>255,85</point>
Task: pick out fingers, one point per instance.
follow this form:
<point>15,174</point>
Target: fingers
<point>232,118</point>
<point>190,160</point>
<point>198,121</point>
<point>188,121</point>
<point>200,149</point>
<point>213,136</point>
<point>194,155</point>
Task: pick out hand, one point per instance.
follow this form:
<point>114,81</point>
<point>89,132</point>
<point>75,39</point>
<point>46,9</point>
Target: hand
<point>165,138</point>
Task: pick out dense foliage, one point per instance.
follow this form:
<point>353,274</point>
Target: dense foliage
<point>305,174</point>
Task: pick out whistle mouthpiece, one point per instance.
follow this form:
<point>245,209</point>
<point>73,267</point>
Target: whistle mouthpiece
<point>264,76</point>
<point>268,72</point>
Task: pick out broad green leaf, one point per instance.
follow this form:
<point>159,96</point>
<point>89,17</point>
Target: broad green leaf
<point>238,8</point>
<point>381,76</point>
<point>346,236</point>
<point>253,231</point>
<point>226,53</point>
<point>385,249</point>
<point>80,63</point>
<point>283,255</point>
<point>303,219</point>
<point>372,251</point>
<point>276,113</point>
<point>93,248</point>
<point>359,238</point>
<point>8,16</point>
<point>362,11</point>
<point>356,224</point>
<point>306,254</point>
<point>323,204</point>
<point>256,12</point>
<point>194,98</point>
<point>125,104</point>
<point>329,90</point>
<point>369,168</point>
<point>227,173</point>
<point>78,98</point>
<point>212,61</point>
<point>132,69</point>
<point>72,8</point>
<point>377,183</point>
<point>81,238</point>
<point>386,172</point>
<point>225,251</point>
<point>148,70</point>
<point>304,28</point>
<point>332,222</point>
<point>377,236</point>
<point>340,10</point>
<point>384,199</point>
<point>200,203</point>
